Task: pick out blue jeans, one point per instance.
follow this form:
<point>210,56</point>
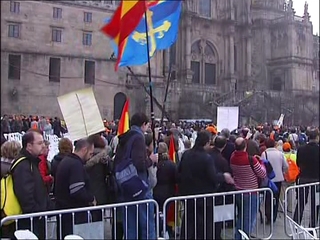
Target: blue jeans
<point>247,213</point>
<point>144,228</point>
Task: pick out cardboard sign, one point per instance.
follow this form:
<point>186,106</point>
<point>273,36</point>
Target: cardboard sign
<point>81,113</point>
<point>227,117</point>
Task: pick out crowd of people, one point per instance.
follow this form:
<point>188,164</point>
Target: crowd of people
<point>88,172</point>
<point>21,123</point>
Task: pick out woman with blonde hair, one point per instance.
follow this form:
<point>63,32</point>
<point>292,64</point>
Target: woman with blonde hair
<point>9,152</point>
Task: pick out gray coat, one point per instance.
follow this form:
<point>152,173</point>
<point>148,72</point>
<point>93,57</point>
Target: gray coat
<point>5,166</point>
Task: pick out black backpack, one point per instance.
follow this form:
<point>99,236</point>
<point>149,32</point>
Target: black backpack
<point>111,182</point>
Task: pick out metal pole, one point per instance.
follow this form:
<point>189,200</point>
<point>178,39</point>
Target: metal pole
<point>166,94</point>
<point>149,75</point>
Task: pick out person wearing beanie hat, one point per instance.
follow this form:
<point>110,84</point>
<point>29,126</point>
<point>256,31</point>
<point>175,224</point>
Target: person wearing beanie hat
<point>286,147</point>
<point>212,130</point>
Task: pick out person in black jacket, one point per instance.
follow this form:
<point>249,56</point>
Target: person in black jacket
<point>309,164</point>
<point>222,166</point>
<point>65,147</point>
<point>57,129</point>
<point>72,185</point>
<point>197,175</point>
<point>166,180</point>
<point>229,148</point>
<point>27,182</point>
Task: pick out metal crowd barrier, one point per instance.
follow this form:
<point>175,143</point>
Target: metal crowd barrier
<point>301,203</point>
<point>218,215</point>
<point>101,222</point>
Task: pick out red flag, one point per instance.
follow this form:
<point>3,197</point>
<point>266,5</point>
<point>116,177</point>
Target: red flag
<point>172,149</point>
<point>124,119</point>
<point>171,210</point>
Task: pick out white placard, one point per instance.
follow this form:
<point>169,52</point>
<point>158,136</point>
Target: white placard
<point>227,117</point>
<point>280,121</point>
<point>81,113</point>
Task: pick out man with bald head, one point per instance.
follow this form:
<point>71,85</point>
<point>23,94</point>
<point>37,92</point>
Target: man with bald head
<point>240,144</point>
<point>246,178</point>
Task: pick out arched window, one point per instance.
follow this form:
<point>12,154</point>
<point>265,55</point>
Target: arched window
<point>204,62</point>
<point>277,84</point>
<point>205,8</point>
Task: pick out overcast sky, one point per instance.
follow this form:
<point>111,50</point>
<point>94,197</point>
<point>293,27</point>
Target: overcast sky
<point>313,11</point>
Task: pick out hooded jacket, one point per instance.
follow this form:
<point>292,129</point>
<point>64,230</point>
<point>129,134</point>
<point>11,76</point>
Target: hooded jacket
<point>98,168</point>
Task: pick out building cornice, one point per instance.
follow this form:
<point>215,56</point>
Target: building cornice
<point>96,5</point>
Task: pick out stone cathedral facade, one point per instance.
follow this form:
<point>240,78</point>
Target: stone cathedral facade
<point>255,54</point>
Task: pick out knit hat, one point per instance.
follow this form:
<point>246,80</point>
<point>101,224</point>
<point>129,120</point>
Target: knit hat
<point>286,147</point>
<point>211,129</point>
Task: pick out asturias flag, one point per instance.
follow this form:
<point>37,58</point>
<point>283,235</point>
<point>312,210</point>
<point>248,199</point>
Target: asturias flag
<point>125,19</point>
<point>163,25</point>
<point>123,125</point>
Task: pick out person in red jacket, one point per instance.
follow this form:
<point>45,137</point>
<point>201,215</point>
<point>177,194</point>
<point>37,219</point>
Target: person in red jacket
<point>43,167</point>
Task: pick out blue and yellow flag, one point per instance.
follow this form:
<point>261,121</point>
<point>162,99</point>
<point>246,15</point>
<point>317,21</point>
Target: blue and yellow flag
<point>163,25</point>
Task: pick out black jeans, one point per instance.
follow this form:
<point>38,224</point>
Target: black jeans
<point>276,197</point>
<point>302,195</point>
<point>200,224</point>
<point>8,231</point>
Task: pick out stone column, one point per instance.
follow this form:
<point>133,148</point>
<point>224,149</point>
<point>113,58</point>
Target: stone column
<point>231,63</point>
<point>188,42</point>
<point>249,55</point>
<point>231,56</point>
<point>226,56</point>
<point>232,16</point>
<point>248,10</point>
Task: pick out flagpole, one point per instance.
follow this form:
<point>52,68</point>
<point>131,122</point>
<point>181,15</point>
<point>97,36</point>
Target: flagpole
<point>150,80</point>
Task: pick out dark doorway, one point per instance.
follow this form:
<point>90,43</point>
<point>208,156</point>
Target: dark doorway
<point>118,103</point>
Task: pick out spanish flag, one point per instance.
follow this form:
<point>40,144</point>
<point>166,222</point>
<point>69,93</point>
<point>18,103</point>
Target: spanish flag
<point>124,119</point>
<point>124,21</point>
<point>171,210</point>
<point>172,150</point>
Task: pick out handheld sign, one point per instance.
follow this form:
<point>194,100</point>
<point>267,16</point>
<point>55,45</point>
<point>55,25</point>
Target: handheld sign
<point>81,113</point>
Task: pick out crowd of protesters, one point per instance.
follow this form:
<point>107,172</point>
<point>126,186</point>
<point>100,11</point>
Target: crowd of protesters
<point>207,161</point>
